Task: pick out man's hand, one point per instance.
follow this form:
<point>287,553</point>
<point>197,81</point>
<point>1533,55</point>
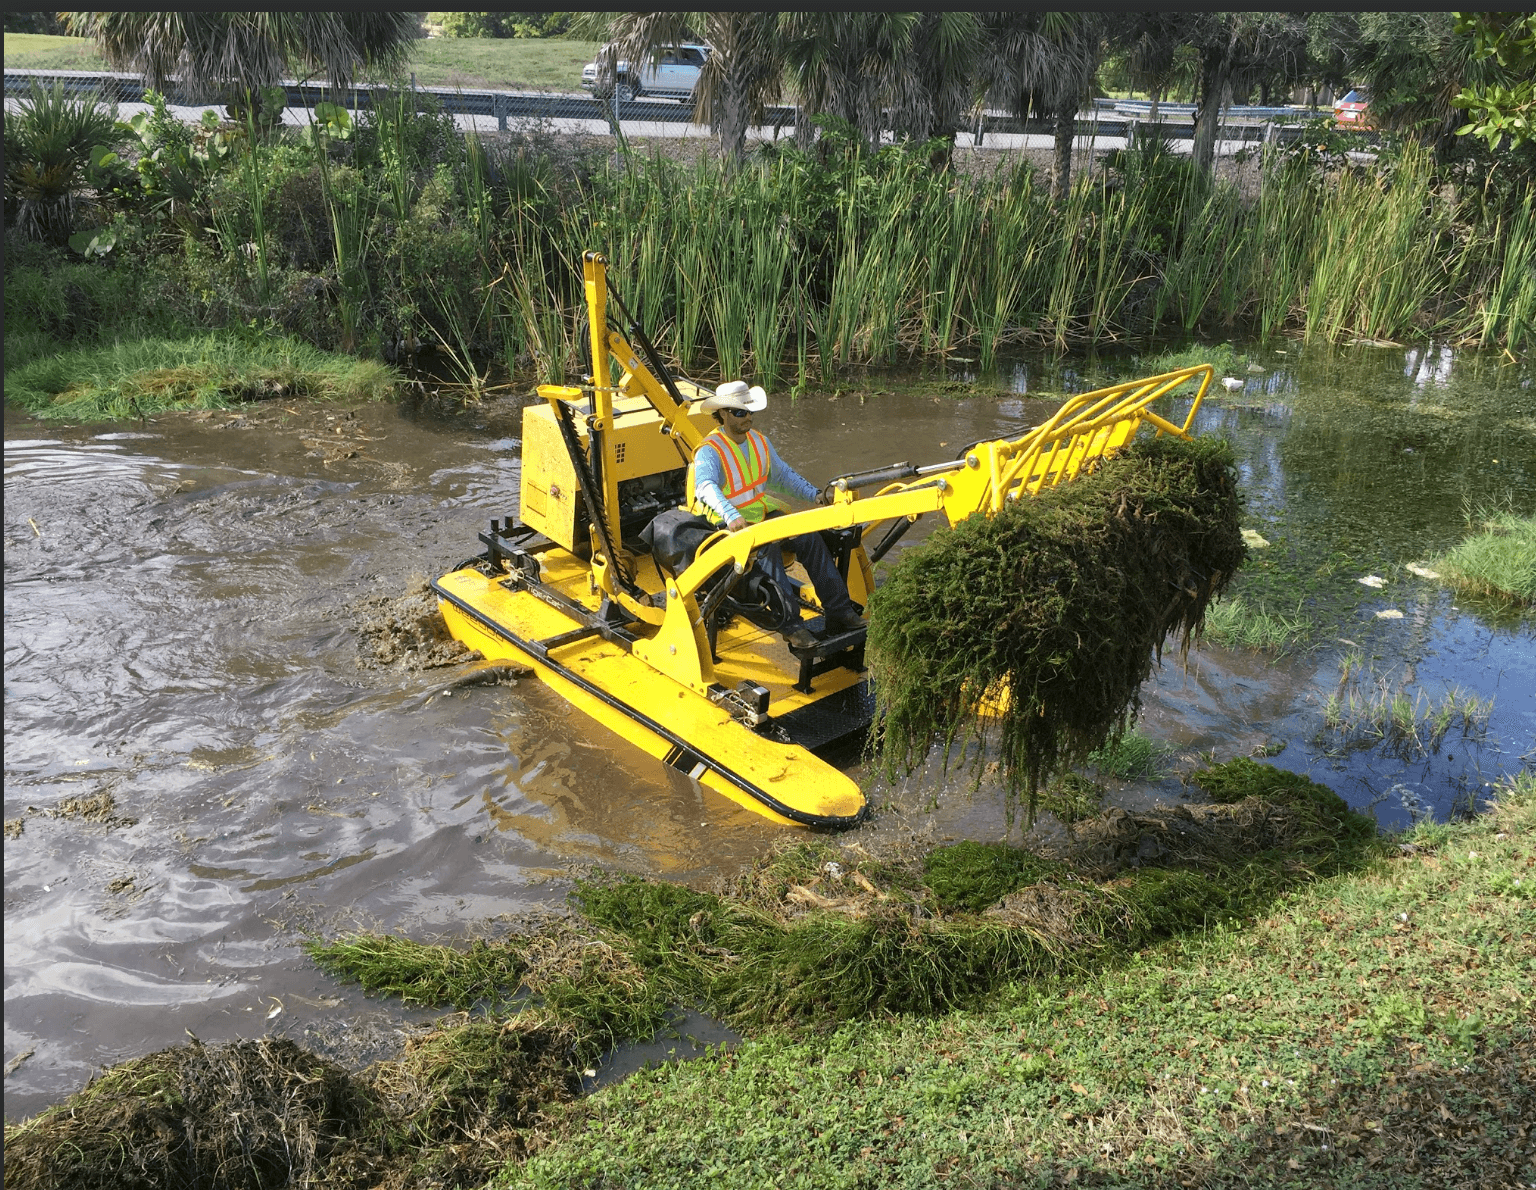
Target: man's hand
<point>737,525</point>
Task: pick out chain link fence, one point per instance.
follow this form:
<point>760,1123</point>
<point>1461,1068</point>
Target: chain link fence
<point>1109,124</point>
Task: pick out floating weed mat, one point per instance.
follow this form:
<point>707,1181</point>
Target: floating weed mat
<point>1035,628</point>
<point>594,987</point>
<point>819,933</point>
<point>1498,563</point>
<point>246,1116</point>
<point>458,1104</point>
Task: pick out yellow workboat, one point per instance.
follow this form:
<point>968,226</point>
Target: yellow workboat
<point>660,639</point>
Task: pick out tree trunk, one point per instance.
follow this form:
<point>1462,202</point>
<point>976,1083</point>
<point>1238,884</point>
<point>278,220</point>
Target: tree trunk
<point>1157,98</point>
<point>731,119</point>
<point>1061,166</point>
<point>869,116</point>
<point>805,131</point>
<point>1213,85</point>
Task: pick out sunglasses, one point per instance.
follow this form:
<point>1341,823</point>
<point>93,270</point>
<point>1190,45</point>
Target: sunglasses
<point>740,412</point>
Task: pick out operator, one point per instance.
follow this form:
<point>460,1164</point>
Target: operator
<point>732,471</point>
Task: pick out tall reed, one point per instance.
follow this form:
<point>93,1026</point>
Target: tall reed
<point>811,261</point>
<point>1507,310</point>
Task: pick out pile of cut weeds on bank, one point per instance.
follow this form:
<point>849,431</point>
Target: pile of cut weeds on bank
<point>816,933</point>
<point>1035,628</point>
<point>458,1103</point>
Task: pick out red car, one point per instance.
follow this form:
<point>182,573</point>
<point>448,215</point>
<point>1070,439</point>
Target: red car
<point>1349,112</point>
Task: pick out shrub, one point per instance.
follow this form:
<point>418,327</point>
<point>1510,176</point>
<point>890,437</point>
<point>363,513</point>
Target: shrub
<point>48,143</point>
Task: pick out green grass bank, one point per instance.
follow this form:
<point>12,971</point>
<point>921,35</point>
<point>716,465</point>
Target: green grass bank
<point>141,377</point>
<point>1357,1016</point>
<point>1371,1029</point>
<point>498,64</point>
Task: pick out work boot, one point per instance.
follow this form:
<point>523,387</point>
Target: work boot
<point>844,621</point>
<point>801,638</point>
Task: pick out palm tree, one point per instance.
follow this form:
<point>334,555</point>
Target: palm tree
<point>935,87</point>
<point>741,73</point>
<point>1044,62</point>
<point>1236,50</point>
<point>914,72</point>
<point>847,65</point>
<point>243,52</point>
<point>49,138</point>
<point>1155,65</point>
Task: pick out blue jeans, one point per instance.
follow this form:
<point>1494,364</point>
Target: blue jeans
<point>812,553</point>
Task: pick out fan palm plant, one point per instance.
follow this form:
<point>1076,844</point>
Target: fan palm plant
<point>238,54</point>
<point>741,74</point>
<point>1044,62</point>
<point>849,65</point>
<point>48,143</point>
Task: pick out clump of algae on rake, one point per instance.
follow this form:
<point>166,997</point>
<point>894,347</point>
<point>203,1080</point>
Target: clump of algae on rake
<point>1035,628</point>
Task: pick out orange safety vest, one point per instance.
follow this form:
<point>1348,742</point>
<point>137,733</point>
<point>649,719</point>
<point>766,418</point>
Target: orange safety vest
<point>746,477</point>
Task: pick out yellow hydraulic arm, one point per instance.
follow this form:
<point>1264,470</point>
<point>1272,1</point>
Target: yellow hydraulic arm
<point>637,380</point>
<point>1086,427</point>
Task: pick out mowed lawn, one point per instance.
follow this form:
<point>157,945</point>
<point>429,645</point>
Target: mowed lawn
<point>512,64</point>
<point>40,51</point>
<point>502,64</point>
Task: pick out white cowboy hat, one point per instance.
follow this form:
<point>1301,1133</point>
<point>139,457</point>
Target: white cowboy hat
<point>734,394</point>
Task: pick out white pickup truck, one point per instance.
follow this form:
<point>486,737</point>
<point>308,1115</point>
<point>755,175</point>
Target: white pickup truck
<point>672,76</point>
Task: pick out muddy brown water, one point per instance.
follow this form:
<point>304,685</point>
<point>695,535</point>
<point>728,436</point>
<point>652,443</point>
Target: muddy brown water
<point>186,611</point>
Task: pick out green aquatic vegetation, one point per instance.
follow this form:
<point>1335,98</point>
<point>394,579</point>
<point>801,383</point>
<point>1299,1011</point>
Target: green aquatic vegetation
<point>1224,357</point>
<point>1234,623</point>
<point>459,1101</point>
<point>1407,724</point>
<point>971,876</point>
<point>1129,757</point>
<point>433,976</point>
<point>1072,797</point>
<point>253,1114</point>
<point>51,305</point>
<point>870,942</point>
<point>1369,709</point>
<point>451,1087</point>
<point>137,378</point>
<point>1499,562</point>
<point>1508,312</point>
<point>598,992</point>
<point>1035,628</point>
<point>1329,815</point>
<point>813,934</point>
<point>823,954</point>
<point>794,260</point>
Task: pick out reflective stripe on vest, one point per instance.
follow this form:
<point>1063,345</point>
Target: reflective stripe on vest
<point>746,470</point>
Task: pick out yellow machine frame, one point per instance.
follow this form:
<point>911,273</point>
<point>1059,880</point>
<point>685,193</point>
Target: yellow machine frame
<point>641,424</point>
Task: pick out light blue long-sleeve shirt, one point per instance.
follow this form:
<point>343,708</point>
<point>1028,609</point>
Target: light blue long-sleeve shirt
<point>708,475</point>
